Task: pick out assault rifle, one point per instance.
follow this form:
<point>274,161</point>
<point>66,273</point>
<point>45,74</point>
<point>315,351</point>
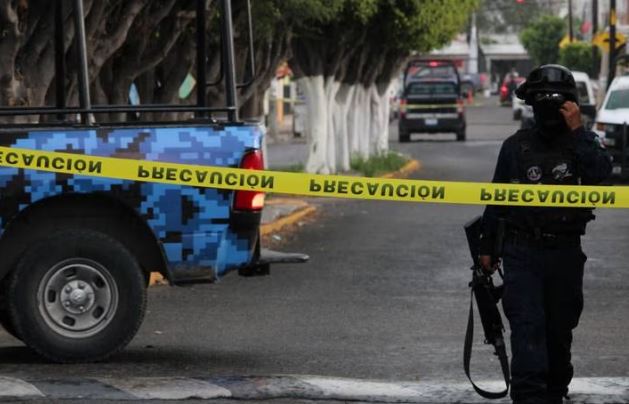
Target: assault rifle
<point>487,296</point>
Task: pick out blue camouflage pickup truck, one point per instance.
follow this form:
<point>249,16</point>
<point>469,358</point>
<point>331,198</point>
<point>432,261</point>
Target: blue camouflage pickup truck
<point>77,251</point>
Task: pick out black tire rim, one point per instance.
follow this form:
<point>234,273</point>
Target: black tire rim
<point>77,298</point>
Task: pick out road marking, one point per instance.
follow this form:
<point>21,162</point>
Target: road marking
<point>11,387</point>
<point>591,390</point>
<point>163,388</point>
<point>351,389</point>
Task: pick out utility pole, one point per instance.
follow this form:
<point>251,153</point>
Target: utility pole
<point>571,35</point>
<point>472,67</point>
<point>612,42</point>
<point>594,28</point>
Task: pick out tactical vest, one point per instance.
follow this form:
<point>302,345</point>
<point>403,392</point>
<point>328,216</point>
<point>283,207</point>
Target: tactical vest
<point>552,163</point>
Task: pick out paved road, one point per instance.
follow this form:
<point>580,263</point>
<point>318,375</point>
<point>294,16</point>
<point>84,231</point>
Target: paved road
<point>384,296</point>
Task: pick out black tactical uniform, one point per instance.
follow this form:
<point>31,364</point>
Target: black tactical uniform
<point>542,256</point>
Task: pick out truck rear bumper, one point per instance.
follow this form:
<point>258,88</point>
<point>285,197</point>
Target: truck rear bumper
<point>262,265</point>
<point>434,126</point>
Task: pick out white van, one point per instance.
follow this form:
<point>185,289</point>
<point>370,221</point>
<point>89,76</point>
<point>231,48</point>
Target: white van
<point>612,121</point>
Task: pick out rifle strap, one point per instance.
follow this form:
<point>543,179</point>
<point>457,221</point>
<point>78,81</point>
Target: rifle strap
<point>500,352</point>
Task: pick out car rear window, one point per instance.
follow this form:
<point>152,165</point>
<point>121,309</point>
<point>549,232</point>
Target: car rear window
<point>431,89</point>
<point>618,99</point>
<point>436,71</point>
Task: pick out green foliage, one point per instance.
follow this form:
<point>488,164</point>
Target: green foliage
<point>578,56</point>
<point>541,39</point>
<point>418,25</point>
<point>500,16</point>
<point>292,15</point>
<point>379,164</point>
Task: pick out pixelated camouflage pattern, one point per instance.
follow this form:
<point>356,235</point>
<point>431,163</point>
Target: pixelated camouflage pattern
<point>191,223</point>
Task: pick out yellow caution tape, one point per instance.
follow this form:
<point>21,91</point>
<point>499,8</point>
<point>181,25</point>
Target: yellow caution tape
<point>317,185</point>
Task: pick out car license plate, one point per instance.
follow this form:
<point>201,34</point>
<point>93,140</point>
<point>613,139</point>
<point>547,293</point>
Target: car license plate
<point>617,170</point>
<point>431,122</point>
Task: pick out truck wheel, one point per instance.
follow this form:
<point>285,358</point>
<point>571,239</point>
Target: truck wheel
<point>6,323</point>
<point>5,318</point>
<point>76,296</point>
<point>460,135</point>
<point>404,137</point>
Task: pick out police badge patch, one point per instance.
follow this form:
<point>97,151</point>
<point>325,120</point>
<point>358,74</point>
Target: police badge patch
<point>534,173</point>
<point>561,171</point>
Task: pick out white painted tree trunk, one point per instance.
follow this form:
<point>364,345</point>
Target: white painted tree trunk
<point>379,128</point>
<point>353,116</point>
<point>359,122</point>
<point>342,118</point>
<point>316,124</point>
<point>331,89</point>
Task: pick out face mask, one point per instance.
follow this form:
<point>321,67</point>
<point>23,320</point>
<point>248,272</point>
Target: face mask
<point>548,117</point>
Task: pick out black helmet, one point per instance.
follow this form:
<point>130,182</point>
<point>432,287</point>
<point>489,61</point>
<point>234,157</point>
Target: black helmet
<point>548,78</point>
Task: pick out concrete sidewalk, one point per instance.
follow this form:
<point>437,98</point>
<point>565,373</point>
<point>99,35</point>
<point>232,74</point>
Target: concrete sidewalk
<point>294,387</point>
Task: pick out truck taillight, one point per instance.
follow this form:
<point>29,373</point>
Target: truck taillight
<point>250,200</point>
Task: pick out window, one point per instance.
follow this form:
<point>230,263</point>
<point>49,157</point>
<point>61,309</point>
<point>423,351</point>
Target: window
<point>440,71</point>
<point>431,89</point>
<point>618,99</point>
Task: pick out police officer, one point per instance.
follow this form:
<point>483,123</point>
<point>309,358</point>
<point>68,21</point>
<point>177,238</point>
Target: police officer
<point>542,256</point>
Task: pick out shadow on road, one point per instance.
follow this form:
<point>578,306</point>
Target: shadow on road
<point>145,362</point>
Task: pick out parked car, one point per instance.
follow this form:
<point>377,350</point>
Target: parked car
<point>517,106</point>
<point>612,123</point>
<point>587,98</point>
<point>430,106</point>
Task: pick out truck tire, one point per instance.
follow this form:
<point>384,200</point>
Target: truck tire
<point>404,137</point>
<point>6,323</point>
<point>460,135</point>
<point>5,318</point>
<point>76,296</point>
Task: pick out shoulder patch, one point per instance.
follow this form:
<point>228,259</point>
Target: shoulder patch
<point>534,173</point>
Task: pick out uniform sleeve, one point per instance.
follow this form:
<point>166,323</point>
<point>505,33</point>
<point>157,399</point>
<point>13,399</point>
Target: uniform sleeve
<point>593,161</point>
<point>502,174</point>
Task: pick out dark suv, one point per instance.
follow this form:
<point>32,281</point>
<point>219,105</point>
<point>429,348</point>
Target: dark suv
<point>431,105</point>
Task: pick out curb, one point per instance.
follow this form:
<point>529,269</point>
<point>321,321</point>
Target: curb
<point>293,387</point>
<point>407,169</point>
<point>292,218</point>
<point>304,210</point>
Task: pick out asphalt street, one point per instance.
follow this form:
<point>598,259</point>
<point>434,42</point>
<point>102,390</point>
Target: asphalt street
<point>384,296</point>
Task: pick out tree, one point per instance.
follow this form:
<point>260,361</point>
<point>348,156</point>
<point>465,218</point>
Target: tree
<point>345,52</point>
<point>541,39</point>
<point>147,42</point>
<point>502,16</point>
<point>346,62</point>
<point>578,56</point>
<point>321,53</point>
